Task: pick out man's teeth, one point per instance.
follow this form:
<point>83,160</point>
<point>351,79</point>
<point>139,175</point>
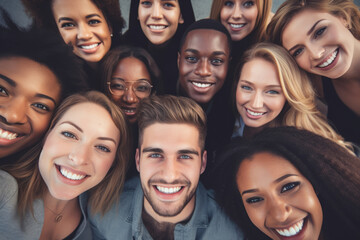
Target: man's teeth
<point>330,60</point>
<point>236,25</point>
<point>168,190</point>
<point>201,85</point>
<point>293,230</point>
<point>70,175</point>
<point>254,113</point>
<point>89,46</point>
<point>7,135</point>
<point>157,27</point>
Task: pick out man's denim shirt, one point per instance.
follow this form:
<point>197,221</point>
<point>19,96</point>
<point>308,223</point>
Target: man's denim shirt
<point>124,221</point>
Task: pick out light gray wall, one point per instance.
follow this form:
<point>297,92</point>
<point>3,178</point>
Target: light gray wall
<point>201,8</point>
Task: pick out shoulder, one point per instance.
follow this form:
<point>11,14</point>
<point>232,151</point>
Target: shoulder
<point>219,222</point>
<point>120,215</point>
<point>8,188</point>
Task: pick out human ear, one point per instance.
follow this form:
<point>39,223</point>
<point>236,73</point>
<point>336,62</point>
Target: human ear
<point>137,159</point>
<point>181,20</point>
<point>203,162</point>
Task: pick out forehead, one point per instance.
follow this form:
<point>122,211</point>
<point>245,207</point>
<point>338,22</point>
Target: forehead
<point>206,40</point>
<point>262,168</point>
<point>30,76</point>
<point>297,29</point>
<point>131,65</point>
<point>78,7</point>
<point>170,136</point>
<point>259,70</point>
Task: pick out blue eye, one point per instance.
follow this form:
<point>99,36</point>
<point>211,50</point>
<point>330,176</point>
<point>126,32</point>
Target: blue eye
<point>289,186</point>
<point>248,4</point>
<point>297,52</point>
<point>245,87</point>
<point>103,148</point>
<point>319,32</point>
<point>228,3</point>
<point>254,200</point>
<point>68,134</point>
<point>273,92</point>
<point>146,3</point>
<point>185,157</point>
<point>169,5</point>
<point>155,155</point>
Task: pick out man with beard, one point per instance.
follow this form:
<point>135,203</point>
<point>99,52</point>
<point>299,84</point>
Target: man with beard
<point>167,202</point>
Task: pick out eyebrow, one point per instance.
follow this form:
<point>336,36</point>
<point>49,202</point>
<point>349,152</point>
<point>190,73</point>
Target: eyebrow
<point>151,149</point>
<point>276,181</point>
<point>308,33</point>
<point>70,19</point>
<point>188,151</point>
<point>267,86</point>
<point>78,128</point>
<point>8,80</point>
<point>45,96</point>
<point>196,52</point>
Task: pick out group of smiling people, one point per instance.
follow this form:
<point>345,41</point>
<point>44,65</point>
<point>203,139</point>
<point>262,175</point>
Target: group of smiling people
<point>244,125</point>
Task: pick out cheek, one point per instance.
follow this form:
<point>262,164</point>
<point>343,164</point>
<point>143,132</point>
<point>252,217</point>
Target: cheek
<point>40,125</point>
<point>103,164</point>
<point>224,15</point>
<point>256,216</point>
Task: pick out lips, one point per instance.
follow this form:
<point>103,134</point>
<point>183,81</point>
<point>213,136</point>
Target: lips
<point>7,135</point>
<point>89,48</point>
<point>329,60</point>
<point>70,176</point>
<point>168,190</point>
<point>292,230</point>
<point>236,26</point>
<point>128,110</point>
<point>156,28</point>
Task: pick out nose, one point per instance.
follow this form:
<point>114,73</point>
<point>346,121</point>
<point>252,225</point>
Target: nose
<point>129,96</point>
<point>84,32</point>
<point>79,154</point>
<point>237,13</point>
<point>316,52</point>
<point>15,111</point>
<point>257,100</point>
<point>156,12</point>
<point>170,170</point>
<point>279,210</point>
<point>203,69</point>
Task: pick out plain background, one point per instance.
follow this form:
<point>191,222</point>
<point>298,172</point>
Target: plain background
<point>201,8</point>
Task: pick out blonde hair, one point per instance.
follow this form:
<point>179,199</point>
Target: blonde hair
<point>341,8</point>
<point>102,196</point>
<point>264,9</point>
<point>300,109</point>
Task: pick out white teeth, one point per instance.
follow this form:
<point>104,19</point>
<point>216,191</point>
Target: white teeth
<point>254,113</point>
<point>330,60</point>
<point>7,135</point>
<point>236,25</point>
<point>129,110</point>
<point>89,46</point>
<point>168,190</point>
<point>292,231</point>
<point>201,85</point>
<point>157,27</point>
<point>70,175</point>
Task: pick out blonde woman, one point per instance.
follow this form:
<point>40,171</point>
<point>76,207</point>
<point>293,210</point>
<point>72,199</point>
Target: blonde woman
<point>85,149</point>
<point>272,91</point>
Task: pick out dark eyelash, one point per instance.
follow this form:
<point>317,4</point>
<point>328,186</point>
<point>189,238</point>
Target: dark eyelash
<point>289,186</point>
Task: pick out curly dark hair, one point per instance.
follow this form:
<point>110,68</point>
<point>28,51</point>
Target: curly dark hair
<point>42,14</point>
<point>46,48</point>
<point>333,172</point>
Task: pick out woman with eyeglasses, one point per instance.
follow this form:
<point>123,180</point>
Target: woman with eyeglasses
<point>130,74</point>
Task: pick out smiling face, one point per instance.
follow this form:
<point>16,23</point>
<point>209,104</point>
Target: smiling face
<point>79,151</point>
<point>259,97</point>
<point>29,93</point>
<point>159,19</point>
<point>83,26</point>
<point>278,199</point>
<point>203,63</point>
<point>320,43</point>
<point>130,73</point>
<point>170,162</point>
<point>239,17</point>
